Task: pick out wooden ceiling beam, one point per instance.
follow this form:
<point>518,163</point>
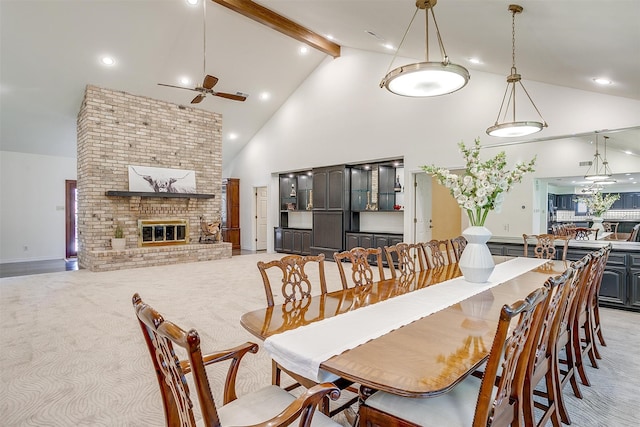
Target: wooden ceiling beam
<point>284,25</point>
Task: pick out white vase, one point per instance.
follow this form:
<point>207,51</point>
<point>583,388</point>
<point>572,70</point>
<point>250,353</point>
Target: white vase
<point>597,225</point>
<point>476,262</point>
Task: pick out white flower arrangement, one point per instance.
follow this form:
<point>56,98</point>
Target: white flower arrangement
<point>480,190</point>
<point>598,203</point>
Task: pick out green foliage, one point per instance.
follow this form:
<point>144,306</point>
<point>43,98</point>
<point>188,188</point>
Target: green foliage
<point>119,232</point>
<point>481,188</point>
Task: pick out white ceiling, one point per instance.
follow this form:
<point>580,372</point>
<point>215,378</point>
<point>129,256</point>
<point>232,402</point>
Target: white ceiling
<point>50,49</point>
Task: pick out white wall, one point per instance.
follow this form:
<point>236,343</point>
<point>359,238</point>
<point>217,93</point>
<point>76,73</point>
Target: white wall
<point>340,115</point>
<point>32,199</point>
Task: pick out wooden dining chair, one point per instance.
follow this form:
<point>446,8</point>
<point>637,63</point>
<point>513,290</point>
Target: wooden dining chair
<point>295,283</point>
<point>595,306</point>
<point>295,288</point>
<point>583,337</point>
<point>541,364</point>
<point>565,369</point>
<point>473,402</point>
<point>634,233</point>
<point>583,233</point>
<point>401,259</point>
<point>545,245</point>
<point>361,270</point>
<point>437,253</point>
<point>457,245</point>
<point>269,406</point>
<point>611,227</point>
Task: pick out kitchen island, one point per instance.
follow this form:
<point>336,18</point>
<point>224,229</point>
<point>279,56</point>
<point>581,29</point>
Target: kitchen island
<point>621,281</point>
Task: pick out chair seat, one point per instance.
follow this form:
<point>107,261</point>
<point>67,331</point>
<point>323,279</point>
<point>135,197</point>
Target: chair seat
<point>255,407</point>
<point>455,408</point>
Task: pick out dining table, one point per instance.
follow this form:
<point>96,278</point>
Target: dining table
<point>404,335</point>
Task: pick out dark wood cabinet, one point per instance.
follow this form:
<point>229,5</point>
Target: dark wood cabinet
<point>634,280</point>
<point>565,202</point>
<point>620,286</point>
<point>292,241</point>
<point>372,240</point>
<point>231,211</point>
<point>277,240</point>
<point>331,212</point>
<point>630,200</point>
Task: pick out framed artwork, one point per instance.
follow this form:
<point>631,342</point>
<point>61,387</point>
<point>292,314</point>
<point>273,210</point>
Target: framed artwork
<point>161,180</point>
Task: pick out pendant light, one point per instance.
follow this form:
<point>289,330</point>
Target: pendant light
<point>423,79</point>
<point>601,173</point>
<point>514,128</point>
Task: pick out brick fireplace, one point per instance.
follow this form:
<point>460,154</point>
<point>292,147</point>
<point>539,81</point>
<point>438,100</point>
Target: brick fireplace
<point>116,130</point>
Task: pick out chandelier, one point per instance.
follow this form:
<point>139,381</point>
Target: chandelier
<point>514,128</point>
<point>599,171</point>
<point>423,79</point>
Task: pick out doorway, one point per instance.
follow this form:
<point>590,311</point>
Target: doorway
<point>261,218</point>
<point>71,218</point>
<point>436,213</point>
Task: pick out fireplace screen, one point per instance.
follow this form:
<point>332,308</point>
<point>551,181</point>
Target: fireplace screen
<point>163,232</point>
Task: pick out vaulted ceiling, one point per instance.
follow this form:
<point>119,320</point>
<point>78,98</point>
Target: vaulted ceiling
<point>51,49</point>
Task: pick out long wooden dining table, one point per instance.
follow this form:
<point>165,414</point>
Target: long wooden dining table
<point>425,357</point>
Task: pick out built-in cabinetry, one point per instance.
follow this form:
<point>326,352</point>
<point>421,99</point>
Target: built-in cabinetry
<point>336,197</point>
<point>621,279</point>
<point>292,241</point>
<point>372,240</point>
<point>330,209</point>
<point>231,211</point>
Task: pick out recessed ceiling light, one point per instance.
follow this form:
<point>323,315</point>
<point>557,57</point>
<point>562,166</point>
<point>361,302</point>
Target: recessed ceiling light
<point>185,80</point>
<point>304,50</point>
<point>330,36</point>
<point>233,136</point>
<point>602,81</point>
<point>628,152</point>
<point>265,95</point>
<point>475,61</point>
<point>107,60</point>
<point>192,2</point>
<point>388,46</point>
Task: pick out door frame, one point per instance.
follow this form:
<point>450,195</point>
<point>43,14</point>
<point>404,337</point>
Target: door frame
<point>71,226</point>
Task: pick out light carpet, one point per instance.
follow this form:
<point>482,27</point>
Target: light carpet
<point>73,353</point>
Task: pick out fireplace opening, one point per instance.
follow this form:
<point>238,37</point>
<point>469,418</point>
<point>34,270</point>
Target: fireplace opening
<point>163,232</point>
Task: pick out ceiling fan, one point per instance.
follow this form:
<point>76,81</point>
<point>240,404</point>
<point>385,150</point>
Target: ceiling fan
<point>209,81</point>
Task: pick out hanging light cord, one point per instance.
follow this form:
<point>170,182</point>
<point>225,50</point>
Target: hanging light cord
<point>445,58</point>
<point>204,36</point>
<point>402,41</point>
<point>513,78</point>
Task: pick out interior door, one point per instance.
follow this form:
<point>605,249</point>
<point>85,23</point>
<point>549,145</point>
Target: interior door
<point>446,214</point>
<point>436,213</point>
<point>422,207</point>
<point>261,218</point>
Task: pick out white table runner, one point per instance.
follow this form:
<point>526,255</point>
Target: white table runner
<point>303,349</point>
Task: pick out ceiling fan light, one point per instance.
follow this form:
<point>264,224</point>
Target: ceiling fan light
<point>515,129</point>
<point>425,79</point>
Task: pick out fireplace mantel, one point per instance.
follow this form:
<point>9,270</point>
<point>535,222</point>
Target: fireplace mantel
<point>114,193</point>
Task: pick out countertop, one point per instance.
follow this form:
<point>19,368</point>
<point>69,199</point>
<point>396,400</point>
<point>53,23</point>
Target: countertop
<point>587,244</point>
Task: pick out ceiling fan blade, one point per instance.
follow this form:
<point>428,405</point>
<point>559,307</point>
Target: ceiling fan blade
<point>209,81</point>
<point>197,99</point>
<point>230,96</point>
<point>177,87</point>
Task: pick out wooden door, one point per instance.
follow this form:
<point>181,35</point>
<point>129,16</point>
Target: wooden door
<point>436,213</point>
<point>445,213</point>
